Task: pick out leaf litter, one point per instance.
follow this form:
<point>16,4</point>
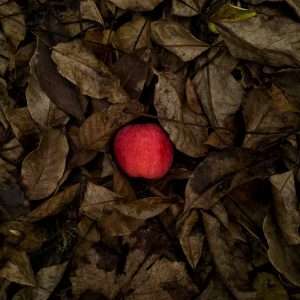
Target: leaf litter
<point>221,78</point>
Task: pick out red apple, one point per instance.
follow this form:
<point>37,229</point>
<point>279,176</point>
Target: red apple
<point>143,150</point>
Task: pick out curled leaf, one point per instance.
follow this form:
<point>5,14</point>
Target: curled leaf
<point>138,5</point>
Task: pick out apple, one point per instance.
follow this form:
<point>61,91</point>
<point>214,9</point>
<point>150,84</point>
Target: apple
<point>143,150</point>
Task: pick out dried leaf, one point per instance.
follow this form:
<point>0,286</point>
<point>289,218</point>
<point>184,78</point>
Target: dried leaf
<point>21,122</point>
<point>137,5</point>
<point>215,290</point>
<point>121,185</point>
<point>42,110</point>
<point>12,22</point>
<point>191,239</point>
<point>162,280</point>
<point>55,204</point>
<point>295,5</point>
<point>286,206</point>
<point>89,278</point>
<point>284,258</point>
<point>177,39</point>
<point>47,279</point>
<point>59,90</point>
<point>96,199</point>
<point>262,116</point>
<point>18,269</point>
<point>5,52</point>
<point>43,168</point>
<point>269,287</point>
<point>221,96</point>
<point>7,173</point>
<point>230,258</point>
<point>260,39</point>
<point>133,35</point>
<point>133,73</point>
<point>12,150</point>
<point>90,11</point>
<point>187,138</point>
<point>187,8</point>
<point>76,63</point>
<point>143,208</point>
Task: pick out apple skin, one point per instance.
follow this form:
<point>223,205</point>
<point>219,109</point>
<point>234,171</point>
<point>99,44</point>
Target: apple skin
<point>143,150</point>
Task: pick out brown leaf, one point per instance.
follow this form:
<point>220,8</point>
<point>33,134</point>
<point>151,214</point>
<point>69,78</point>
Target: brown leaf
<point>143,208</point>
<point>12,150</point>
<point>88,277</point>
<point>90,11</point>
<point>96,199</point>
<point>43,168</point>
<point>191,239</point>
<point>230,257</point>
<point>21,122</point>
<point>121,185</point>
<point>59,90</point>
<point>177,39</point>
<point>18,269</point>
<point>115,224</point>
<point>187,138</point>
<point>284,258</point>
<point>47,279</point>
<point>286,206</point>
<point>7,173</point>
<point>262,40</point>
<point>5,52</point>
<point>42,110</point>
<point>295,5</point>
<point>269,287</point>
<point>207,175</point>
<point>133,35</point>
<point>133,73</point>
<point>55,204</point>
<point>12,21</point>
<point>187,8</point>
<point>221,96</point>
<point>76,63</point>
<point>137,5</point>
<point>216,290</point>
<point>162,280</point>
<point>264,118</point>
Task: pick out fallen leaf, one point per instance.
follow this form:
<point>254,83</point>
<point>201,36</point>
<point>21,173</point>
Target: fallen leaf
<point>96,199</point>
<point>55,204</point>
<point>5,52</point>
<point>133,35</point>
<point>265,124</point>
<point>143,208</point>
<point>286,206</point>
<point>177,39</point>
<point>162,280</point>
<point>122,186</point>
<point>43,168</point>
<point>272,40</point>
<point>187,8</point>
<point>12,22</point>
<point>284,258</point>
<point>8,173</point>
<point>269,287</point>
<point>90,11</point>
<point>18,269</point>
<point>42,110</point>
<point>191,239</point>
<point>79,65</point>
<point>221,96</point>
<point>230,257</point>
<point>12,150</point>
<point>133,73</point>
<point>216,290</point>
<point>47,279</point>
<point>137,5</point>
<point>176,119</point>
<point>21,122</point>
<point>295,5</point>
<point>59,90</point>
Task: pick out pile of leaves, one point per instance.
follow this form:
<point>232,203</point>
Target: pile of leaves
<point>223,80</point>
